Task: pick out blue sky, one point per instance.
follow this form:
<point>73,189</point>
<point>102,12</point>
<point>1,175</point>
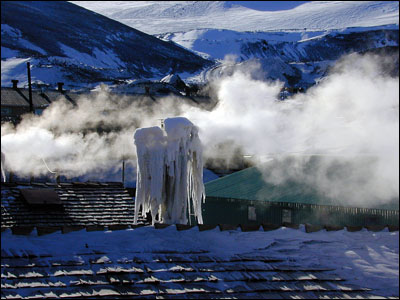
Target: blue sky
<point>268,5</point>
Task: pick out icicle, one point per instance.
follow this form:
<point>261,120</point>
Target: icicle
<point>170,171</point>
<point>150,145</point>
<point>3,161</point>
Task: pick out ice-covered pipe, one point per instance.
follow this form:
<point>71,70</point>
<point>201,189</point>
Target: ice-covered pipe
<point>170,171</point>
<point>3,161</point>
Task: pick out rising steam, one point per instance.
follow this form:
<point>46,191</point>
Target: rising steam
<point>350,120</point>
<point>91,137</point>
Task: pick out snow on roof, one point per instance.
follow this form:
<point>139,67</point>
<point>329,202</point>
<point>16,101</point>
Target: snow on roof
<point>202,264</point>
<point>171,79</point>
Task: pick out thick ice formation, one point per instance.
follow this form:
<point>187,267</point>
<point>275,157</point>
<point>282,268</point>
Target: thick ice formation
<point>169,172</point>
<point>3,161</point>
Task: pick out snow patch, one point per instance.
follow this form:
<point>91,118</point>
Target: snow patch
<point>99,58</point>
<point>13,68</point>
<point>11,31</point>
<point>8,53</point>
<point>28,45</point>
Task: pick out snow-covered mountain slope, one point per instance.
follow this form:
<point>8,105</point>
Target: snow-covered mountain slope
<point>217,43</point>
<point>295,42</point>
<point>65,42</point>
<point>295,58</point>
<point>156,17</point>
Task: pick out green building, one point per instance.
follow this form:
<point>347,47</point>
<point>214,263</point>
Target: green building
<point>245,198</point>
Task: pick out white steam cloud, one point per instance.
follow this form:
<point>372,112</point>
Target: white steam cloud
<point>349,121</point>
<point>91,137</point>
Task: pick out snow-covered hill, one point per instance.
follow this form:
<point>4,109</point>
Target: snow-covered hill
<point>65,42</point>
<point>295,42</point>
<point>292,57</point>
<point>156,17</point>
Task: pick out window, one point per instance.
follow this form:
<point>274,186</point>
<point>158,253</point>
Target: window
<point>372,220</point>
<point>39,111</point>
<point>286,216</point>
<point>5,111</point>
<point>252,213</point>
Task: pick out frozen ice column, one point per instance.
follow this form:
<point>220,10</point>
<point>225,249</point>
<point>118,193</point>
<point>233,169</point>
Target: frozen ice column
<point>170,171</point>
<point>3,162</point>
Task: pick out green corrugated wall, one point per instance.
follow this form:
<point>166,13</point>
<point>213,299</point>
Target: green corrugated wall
<point>235,211</point>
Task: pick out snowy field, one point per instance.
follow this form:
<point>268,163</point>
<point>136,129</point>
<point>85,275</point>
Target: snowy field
<point>367,259</point>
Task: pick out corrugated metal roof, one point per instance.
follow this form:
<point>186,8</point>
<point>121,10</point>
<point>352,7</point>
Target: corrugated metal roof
<point>10,97</point>
<point>248,184</point>
<point>40,196</point>
<point>83,203</point>
<point>69,96</point>
<point>37,99</point>
<point>20,97</point>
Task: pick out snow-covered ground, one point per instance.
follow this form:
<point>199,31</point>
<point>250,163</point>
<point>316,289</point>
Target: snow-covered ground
<point>367,259</point>
<point>155,17</point>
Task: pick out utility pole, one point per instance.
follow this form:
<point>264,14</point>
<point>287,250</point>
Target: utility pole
<point>28,65</point>
<point>123,172</point>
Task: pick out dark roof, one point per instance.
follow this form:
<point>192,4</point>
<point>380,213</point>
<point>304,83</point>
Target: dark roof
<point>10,97</point>
<point>83,204</point>
<point>20,97</point>
<point>168,274</point>
<point>40,196</point>
<point>249,184</point>
<point>37,98</point>
<point>56,95</point>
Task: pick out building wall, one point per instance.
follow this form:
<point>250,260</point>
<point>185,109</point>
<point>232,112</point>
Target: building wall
<point>236,211</point>
<point>13,111</point>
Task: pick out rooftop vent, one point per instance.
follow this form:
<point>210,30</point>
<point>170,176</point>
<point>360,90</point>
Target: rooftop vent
<point>60,86</point>
<point>14,82</point>
<point>41,197</point>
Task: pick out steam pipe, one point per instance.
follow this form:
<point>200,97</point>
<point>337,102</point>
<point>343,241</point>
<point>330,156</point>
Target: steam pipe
<point>123,172</point>
<point>28,65</point>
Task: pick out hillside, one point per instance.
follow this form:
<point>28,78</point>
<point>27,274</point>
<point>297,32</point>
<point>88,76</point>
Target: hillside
<point>296,58</point>
<point>294,42</point>
<point>65,42</point>
<point>156,17</point>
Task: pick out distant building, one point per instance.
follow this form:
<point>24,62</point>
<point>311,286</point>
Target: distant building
<point>15,101</point>
<point>245,198</point>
